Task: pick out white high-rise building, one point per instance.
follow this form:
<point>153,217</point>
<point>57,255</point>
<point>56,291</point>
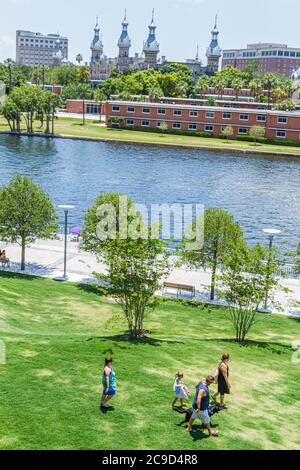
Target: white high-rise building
<point>36,49</point>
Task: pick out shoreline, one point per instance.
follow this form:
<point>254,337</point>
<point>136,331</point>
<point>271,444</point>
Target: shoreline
<point>211,148</point>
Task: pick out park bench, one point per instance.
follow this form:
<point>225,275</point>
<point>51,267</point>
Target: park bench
<point>5,262</point>
<point>179,288</point>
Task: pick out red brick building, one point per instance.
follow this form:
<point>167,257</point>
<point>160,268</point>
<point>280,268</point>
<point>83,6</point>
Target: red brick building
<point>76,107</point>
<point>278,58</point>
<point>188,115</point>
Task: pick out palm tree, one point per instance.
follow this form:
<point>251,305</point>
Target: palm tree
<point>99,97</point>
<point>269,82</point>
<point>255,88</point>
<point>83,75</point>
<point>155,94</point>
<point>9,63</point>
<point>202,86</point>
<point>237,85</point>
<point>79,59</point>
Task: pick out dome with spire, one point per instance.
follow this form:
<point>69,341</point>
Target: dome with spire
<point>214,48</point>
<point>97,43</point>
<point>151,45</point>
<point>124,40</point>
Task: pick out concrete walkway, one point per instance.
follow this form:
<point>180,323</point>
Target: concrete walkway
<point>46,257</point>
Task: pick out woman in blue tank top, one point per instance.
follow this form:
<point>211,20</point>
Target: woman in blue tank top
<point>108,382</point>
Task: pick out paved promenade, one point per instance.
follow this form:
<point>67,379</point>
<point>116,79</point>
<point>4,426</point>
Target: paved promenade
<point>45,258</point>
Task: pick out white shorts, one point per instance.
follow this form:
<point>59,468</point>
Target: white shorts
<point>202,415</point>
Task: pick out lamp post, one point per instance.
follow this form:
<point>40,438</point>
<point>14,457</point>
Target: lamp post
<point>271,232</point>
<point>66,209</point>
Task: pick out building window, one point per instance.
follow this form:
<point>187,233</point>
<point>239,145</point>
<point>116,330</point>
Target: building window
<point>146,110</point>
<point>176,125</point>
<point>192,127</point>
<point>244,117</point>
<point>129,122</point>
<point>243,130</point>
<point>282,120</point>
<point>209,128</point>
<point>209,115</point>
<point>261,118</point>
<point>116,109</point>
<point>93,109</point>
<point>145,123</point>
<point>193,113</point>
<point>158,124</point>
<point>226,115</point>
<point>130,109</point>
<point>177,112</point>
<point>281,134</point>
<point>161,111</point>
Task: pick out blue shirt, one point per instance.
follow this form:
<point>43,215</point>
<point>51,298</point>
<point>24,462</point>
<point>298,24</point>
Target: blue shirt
<point>205,400</point>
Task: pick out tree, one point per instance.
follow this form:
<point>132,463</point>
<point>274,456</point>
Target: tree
<point>49,105</point>
<point>155,94</point>
<point>12,114</point>
<point>297,260</point>
<point>245,279</point>
<point>26,213</point>
<point>163,127</point>
<point>227,132</point>
<point>222,235</point>
<point>269,82</point>
<point>79,59</point>
<point>202,86</point>
<point>83,75</point>
<point>210,101</point>
<point>99,97</point>
<point>257,132</point>
<point>135,263</point>
<point>237,85</point>
<point>285,105</point>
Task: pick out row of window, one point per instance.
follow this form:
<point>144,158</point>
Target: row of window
<point>231,55</point>
<point>41,41</point>
<point>280,134</point>
<point>208,114</point>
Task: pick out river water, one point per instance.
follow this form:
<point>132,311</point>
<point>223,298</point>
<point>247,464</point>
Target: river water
<point>261,191</point>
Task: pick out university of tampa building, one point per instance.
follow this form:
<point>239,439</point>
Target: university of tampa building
<point>194,116</point>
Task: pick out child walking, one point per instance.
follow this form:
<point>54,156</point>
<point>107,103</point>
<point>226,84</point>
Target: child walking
<point>181,392</point>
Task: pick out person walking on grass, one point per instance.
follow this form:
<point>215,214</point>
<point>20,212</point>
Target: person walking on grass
<point>222,379</point>
<point>108,382</point>
<point>181,392</point>
<point>201,405</point>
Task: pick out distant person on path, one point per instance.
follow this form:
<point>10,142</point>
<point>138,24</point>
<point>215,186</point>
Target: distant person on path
<point>108,382</point>
<point>181,392</point>
<point>222,379</point>
<point>201,405</point>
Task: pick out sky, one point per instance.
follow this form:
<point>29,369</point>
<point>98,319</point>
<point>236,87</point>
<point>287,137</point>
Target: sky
<point>181,24</point>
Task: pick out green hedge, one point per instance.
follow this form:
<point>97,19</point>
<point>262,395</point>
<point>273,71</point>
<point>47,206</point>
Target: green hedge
<point>263,140</point>
<point>156,130</point>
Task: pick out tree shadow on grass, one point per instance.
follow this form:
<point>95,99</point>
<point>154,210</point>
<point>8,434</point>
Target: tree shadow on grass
<point>267,345</point>
<point>120,340</point>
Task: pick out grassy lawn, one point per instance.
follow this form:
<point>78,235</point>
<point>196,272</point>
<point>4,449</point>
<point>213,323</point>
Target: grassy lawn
<point>73,127</point>
<point>56,337</point>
